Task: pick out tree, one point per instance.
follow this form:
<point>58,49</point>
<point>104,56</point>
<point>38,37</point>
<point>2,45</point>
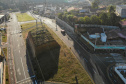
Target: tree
<point>95,19</point>
<point>113,19</point>
<point>60,15</point>
<point>87,20</point>
<point>75,19</point>
<point>111,9</point>
<point>104,18</point>
<point>81,20</point>
<point>95,3</point>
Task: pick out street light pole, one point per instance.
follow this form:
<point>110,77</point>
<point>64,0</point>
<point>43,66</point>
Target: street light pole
<point>55,19</point>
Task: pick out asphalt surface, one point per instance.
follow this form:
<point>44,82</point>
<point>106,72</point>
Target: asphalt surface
<point>96,64</point>
<point>20,71</point>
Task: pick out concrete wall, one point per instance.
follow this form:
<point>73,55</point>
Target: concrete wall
<point>46,47</point>
<point>64,24</point>
<point>31,44</point>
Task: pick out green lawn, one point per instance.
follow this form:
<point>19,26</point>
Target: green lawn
<point>24,17</point>
<point>7,75</point>
<point>4,37</point>
<point>68,65</point>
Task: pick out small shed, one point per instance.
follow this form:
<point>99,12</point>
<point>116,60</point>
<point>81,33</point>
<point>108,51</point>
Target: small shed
<point>94,36</point>
<point>103,37</point>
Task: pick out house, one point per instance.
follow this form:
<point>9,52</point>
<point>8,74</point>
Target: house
<point>121,10</point>
<point>84,11</point>
<point>122,24</point>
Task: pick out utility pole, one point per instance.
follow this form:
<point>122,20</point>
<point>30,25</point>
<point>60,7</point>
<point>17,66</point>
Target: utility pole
<point>55,19</point>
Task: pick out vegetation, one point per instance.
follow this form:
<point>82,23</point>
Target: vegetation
<point>4,36</point>
<point>95,4</point>
<point>103,18</point>
<point>24,17</point>
<point>68,65</point>
<point>6,73</point>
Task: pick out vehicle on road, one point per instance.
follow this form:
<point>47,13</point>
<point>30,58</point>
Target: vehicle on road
<point>20,31</point>
<point>63,32</point>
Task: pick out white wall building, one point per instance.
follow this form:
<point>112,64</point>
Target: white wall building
<point>121,10</point>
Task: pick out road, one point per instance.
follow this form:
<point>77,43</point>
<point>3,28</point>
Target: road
<point>95,64</point>
<point>20,68</point>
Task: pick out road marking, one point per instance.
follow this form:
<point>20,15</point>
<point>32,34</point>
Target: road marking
<point>19,51</point>
<point>23,68</point>
<point>85,59</point>
<point>18,70</point>
<point>78,51</point>
<point>18,45</point>
<point>17,40</point>
<point>23,80</point>
<point>94,70</point>
<point>11,72</point>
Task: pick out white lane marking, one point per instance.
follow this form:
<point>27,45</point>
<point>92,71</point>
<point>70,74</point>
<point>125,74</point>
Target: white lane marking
<point>85,59</point>
<point>78,51</point>
<point>94,70</point>
<point>18,70</point>
<point>23,80</point>
<point>17,40</point>
<point>18,45</point>
<point>19,51</point>
<point>23,68</point>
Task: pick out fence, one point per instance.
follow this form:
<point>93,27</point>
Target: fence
<point>101,26</point>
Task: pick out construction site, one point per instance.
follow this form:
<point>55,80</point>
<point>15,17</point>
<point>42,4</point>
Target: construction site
<point>44,53</point>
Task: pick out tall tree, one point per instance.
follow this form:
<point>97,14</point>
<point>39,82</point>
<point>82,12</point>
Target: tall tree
<point>95,3</point>
<point>104,18</point>
<point>111,8</point>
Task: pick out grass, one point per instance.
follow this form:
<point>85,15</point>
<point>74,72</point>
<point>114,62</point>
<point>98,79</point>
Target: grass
<point>7,75</point>
<point>68,65</point>
<point>4,37</point>
<point>27,25</point>
<point>24,17</point>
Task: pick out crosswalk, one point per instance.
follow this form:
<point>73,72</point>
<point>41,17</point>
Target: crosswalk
<point>14,32</point>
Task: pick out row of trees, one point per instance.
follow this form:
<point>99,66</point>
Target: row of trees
<point>109,18</point>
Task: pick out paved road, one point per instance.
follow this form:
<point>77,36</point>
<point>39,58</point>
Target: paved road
<point>19,61</point>
<point>95,64</point>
